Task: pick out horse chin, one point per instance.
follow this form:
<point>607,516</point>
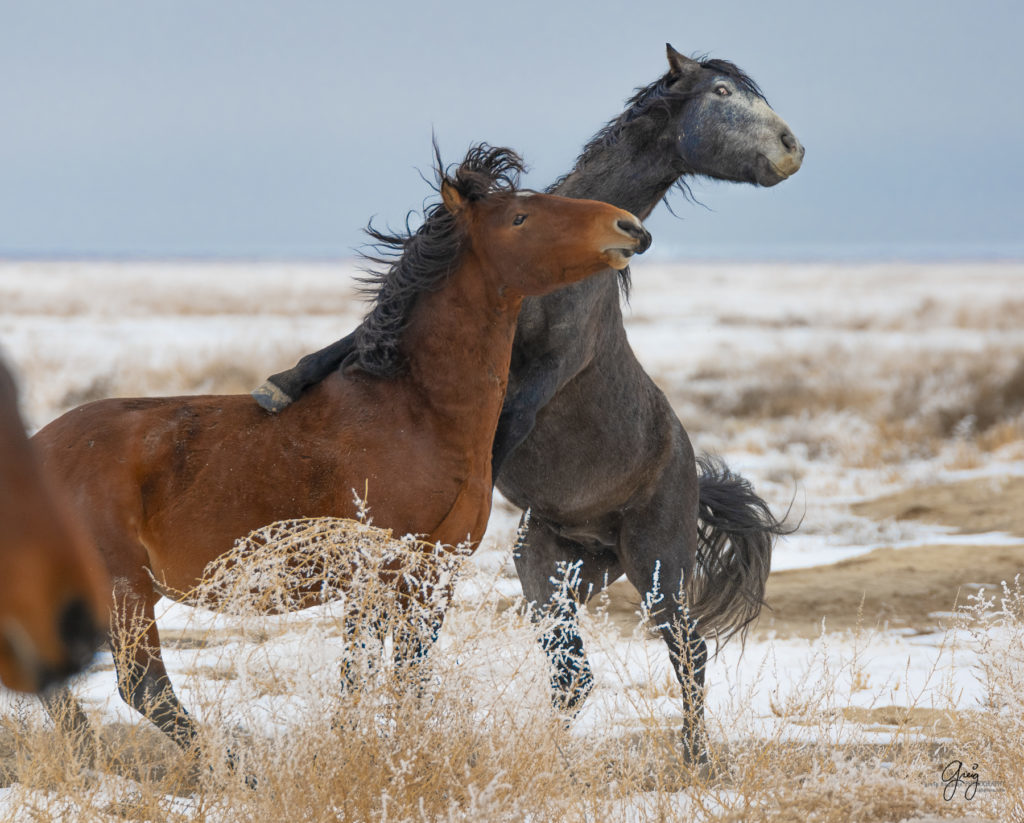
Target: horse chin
<point>618,259</point>
<point>767,174</point>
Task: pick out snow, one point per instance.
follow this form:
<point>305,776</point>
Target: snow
<point>149,328</point>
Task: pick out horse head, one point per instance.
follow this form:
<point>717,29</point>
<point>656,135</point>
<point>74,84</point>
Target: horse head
<point>53,598</point>
<point>724,127</point>
<point>535,243</point>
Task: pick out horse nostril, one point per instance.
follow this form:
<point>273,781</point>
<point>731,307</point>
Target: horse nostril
<point>789,141</point>
<point>634,228</point>
<point>630,228</point>
<point>645,241</point>
<point>79,632</point>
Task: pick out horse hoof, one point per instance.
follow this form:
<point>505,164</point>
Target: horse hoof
<point>695,751</point>
<point>249,779</point>
<point>271,397</point>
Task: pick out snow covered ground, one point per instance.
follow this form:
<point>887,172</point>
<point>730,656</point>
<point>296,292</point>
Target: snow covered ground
<point>711,336</point>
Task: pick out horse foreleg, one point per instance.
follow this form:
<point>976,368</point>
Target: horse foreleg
<point>414,634</point>
<point>411,651</point>
<point>536,384</point>
<point>142,679</point>
<point>69,717</point>
<point>284,388</point>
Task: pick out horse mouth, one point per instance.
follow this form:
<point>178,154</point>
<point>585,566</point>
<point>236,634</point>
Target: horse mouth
<point>641,242</point>
<point>768,173</point>
<point>618,258</point>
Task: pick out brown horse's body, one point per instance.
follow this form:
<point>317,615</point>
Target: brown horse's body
<point>53,595</point>
<point>167,485</point>
<point>193,474</point>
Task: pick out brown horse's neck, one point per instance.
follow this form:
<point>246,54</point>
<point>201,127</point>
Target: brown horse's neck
<point>458,345</point>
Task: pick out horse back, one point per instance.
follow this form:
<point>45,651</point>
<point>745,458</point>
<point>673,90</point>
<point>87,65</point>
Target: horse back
<point>168,484</point>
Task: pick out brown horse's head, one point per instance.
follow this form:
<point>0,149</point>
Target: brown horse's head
<point>53,592</point>
<point>534,243</point>
<point>527,244</point>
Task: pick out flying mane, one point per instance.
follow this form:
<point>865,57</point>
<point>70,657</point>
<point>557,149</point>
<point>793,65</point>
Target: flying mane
<point>417,261</point>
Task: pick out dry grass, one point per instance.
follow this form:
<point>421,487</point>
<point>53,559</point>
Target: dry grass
<point>471,737</point>
<point>860,406</point>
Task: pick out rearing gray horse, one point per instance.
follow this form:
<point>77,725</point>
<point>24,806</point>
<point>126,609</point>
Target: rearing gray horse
<point>586,440</point>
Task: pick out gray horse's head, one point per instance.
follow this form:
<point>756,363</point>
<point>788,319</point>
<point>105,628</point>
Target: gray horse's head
<point>726,129</point>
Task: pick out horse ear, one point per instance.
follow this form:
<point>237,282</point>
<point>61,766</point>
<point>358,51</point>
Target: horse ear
<point>453,201</point>
<point>679,64</point>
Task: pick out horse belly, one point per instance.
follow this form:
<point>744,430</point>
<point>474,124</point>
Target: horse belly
<point>281,480</point>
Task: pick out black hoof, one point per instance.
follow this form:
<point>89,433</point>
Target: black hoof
<point>569,694</point>
<point>271,397</point>
<point>249,779</point>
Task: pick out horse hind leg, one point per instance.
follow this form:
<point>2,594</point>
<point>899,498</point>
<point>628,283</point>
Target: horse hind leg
<point>688,652</point>
<point>658,577</point>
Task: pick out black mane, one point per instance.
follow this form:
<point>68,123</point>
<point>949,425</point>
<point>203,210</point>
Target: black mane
<point>421,260</point>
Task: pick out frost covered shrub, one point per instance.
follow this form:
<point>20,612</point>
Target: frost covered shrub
<point>315,709</point>
<point>994,736</point>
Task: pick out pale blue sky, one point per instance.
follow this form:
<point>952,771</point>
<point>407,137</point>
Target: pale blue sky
<point>252,128</point>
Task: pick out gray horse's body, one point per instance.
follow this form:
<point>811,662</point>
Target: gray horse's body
<point>589,444</point>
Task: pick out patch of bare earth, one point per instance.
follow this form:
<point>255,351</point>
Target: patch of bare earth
<point>971,506</point>
<point>913,588</point>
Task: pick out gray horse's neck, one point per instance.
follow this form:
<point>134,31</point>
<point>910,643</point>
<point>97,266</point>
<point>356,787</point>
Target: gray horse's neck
<point>612,173</point>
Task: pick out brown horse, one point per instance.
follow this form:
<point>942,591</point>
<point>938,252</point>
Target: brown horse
<point>53,593</point>
<point>166,485</point>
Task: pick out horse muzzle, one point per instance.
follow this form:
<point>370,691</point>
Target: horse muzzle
<point>782,164</point>
<point>633,230</point>
<point>27,668</point>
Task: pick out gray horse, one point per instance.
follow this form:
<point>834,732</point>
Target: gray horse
<point>589,444</point>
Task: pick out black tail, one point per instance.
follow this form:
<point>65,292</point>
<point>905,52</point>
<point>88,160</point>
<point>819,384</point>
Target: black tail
<point>734,551</point>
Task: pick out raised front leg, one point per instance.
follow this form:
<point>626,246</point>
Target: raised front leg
<point>284,388</point>
<point>556,575</point>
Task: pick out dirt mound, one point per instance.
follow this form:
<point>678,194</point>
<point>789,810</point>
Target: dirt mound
<point>912,588</point>
<point>905,588</point>
<point>971,506</point>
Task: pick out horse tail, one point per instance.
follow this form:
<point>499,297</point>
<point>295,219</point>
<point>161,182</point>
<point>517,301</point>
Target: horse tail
<point>735,534</point>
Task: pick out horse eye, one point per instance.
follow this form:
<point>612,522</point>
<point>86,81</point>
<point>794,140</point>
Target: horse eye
<point>722,91</point>
<point>518,219</point>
